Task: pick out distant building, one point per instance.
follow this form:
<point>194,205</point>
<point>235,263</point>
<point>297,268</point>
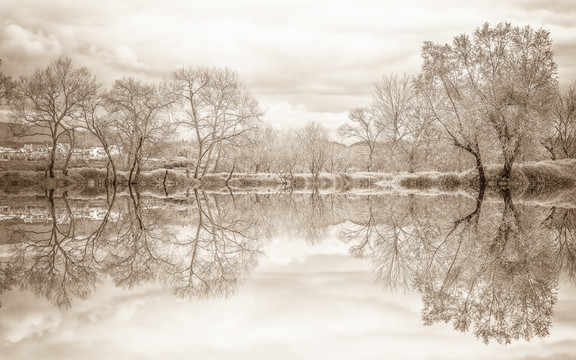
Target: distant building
<point>7,153</point>
<point>36,148</point>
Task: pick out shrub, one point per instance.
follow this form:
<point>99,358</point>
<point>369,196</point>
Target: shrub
<point>299,182</point>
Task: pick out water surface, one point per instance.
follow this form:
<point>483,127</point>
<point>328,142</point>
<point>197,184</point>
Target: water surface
<point>287,276</point>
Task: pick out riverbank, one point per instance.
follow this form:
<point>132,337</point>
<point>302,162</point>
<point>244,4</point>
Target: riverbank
<point>527,178</point>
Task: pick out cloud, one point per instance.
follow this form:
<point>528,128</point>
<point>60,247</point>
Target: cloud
<point>288,113</point>
<point>21,45</point>
<point>555,6</point>
<point>319,56</point>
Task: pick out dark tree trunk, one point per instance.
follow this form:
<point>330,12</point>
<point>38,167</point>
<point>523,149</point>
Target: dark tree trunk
<point>52,159</point>
<point>506,170</point>
<point>71,143</point>
<point>481,173</point>
<point>134,177</point>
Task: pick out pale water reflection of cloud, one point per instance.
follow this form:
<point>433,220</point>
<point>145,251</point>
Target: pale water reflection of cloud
<point>303,302</point>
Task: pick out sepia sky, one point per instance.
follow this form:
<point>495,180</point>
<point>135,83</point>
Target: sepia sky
<point>304,60</point>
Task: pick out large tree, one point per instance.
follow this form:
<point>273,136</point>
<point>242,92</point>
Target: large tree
<point>456,114</point>
<point>139,113</point>
<point>49,102</point>
<point>502,76</point>
<point>98,122</point>
<point>218,108</point>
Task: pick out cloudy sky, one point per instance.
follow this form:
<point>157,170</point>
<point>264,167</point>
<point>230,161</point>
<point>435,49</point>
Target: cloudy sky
<point>304,60</point>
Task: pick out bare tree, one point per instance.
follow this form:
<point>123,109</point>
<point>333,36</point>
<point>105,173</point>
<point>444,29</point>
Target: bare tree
<point>443,88</point>
<point>286,155</point>
<point>314,146</point>
<point>390,104</point>
<point>140,119</point>
<point>218,108</point>
<point>505,74</point>
<point>258,150</point>
<point>420,131</point>
<point>364,128</point>
<point>339,159</point>
<point>49,102</point>
<point>98,122</point>
<point>561,143</point>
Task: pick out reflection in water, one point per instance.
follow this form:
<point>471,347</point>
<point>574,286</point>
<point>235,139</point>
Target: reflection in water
<point>497,277</point>
<point>487,266</point>
<point>51,259</point>
<point>205,252</point>
<point>493,271</point>
<point>562,223</point>
<point>218,253</point>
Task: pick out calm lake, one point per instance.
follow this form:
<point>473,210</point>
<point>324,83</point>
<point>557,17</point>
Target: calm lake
<point>286,275</point>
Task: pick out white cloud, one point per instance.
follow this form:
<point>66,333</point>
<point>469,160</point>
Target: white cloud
<point>320,57</point>
<point>126,57</point>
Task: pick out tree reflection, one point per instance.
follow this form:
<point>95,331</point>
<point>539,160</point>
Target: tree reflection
<point>497,278</point>
<point>488,266</point>
<point>51,259</point>
<point>221,248</point>
<point>391,237</point>
<point>7,277</point>
<point>136,240</point>
<point>138,247</point>
<point>562,223</point>
<point>393,234</point>
<point>491,272</point>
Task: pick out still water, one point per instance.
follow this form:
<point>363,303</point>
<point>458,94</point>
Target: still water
<point>309,275</point>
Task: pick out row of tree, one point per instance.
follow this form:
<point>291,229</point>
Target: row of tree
<point>213,105</point>
<point>493,95</point>
<point>489,98</point>
<point>221,121</point>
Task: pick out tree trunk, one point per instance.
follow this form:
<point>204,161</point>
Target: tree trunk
<point>411,162</point>
<point>481,173</point>
<point>138,167</point>
<point>71,143</point>
<point>370,154</point>
<point>208,158</point>
<point>231,172</point>
<point>52,159</point>
<point>217,161</point>
<point>111,162</point>
<point>164,183</point>
<point>198,160</point>
<point>107,178</point>
<point>507,169</point>
<point>133,178</point>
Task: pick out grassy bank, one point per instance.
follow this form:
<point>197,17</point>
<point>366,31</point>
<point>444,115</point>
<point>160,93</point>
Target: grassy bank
<point>15,181</point>
<point>526,178</point>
